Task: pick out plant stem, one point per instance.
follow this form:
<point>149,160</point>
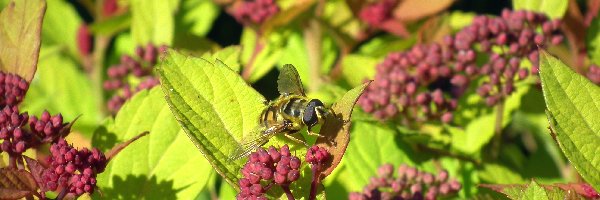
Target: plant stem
<point>498,128</point>
<point>314,183</point>
<point>62,194</point>
<point>12,161</point>
<point>258,47</point>
<point>101,43</point>
<point>313,38</point>
<point>288,192</point>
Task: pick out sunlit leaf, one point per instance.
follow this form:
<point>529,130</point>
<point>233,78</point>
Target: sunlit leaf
<point>552,8</point>
<point>297,52</point>
<point>533,190</point>
<point>196,16</point>
<point>573,104</point>
<point>358,68</point>
<point>372,145</point>
<point>336,130</point>
<point>259,60</point>
<point>153,21</point>
<point>61,22</point>
<point>214,106</point>
<point>230,56</point>
<point>162,165</point>
<point>20,35</point>
<point>112,25</point>
<point>592,41</point>
<point>58,76</point>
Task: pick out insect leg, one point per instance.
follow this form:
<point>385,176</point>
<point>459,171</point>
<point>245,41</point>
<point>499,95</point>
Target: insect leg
<point>297,138</point>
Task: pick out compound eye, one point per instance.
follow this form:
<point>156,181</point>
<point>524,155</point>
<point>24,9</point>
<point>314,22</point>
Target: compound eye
<point>310,117</point>
<point>315,103</point>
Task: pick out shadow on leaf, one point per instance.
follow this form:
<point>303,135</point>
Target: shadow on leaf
<point>104,140</point>
<point>139,187</point>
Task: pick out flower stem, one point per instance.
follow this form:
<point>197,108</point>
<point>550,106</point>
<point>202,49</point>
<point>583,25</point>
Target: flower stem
<point>62,194</point>
<point>12,161</point>
<point>258,47</point>
<point>313,40</point>
<point>498,128</point>
<point>288,192</point>
<point>314,184</point>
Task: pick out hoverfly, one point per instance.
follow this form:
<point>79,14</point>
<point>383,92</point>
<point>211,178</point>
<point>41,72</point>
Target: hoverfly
<point>287,114</point>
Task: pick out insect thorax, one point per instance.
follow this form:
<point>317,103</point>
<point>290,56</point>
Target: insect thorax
<point>288,108</point>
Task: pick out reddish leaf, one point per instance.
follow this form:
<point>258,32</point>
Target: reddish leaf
<point>116,149</point>
<point>336,130</point>
<point>16,183</point>
<point>395,27</point>
<point>20,36</point>
<point>572,190</point>
<point>412,10</point>
<point>35,168</point>
<point>583,189</point>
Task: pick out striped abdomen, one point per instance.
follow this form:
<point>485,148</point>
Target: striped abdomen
<point>287,108</point>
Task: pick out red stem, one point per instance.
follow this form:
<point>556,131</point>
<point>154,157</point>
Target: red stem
<point>288,192</point>
<point>258,47</point>
<point>315,182</point>
<point>62,194</point>
<point>12,161</point>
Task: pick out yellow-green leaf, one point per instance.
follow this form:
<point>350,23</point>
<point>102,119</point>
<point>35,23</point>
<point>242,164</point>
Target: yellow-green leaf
<point>573,104</point>
<point>20,30</point>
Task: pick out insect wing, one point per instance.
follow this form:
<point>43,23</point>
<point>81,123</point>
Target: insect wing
<point>289,81</point>
<point>259,136</point>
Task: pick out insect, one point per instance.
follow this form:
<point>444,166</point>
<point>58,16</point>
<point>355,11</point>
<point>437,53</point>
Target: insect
<point>287,114</point>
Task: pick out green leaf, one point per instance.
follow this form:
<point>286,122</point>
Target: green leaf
<point>227,192</point>
<point>230,56</point>
<point>480,129</point>
<point>573,104</point>
<point>20,35</point>
<point>59,77</point>
<point>459,19</point>
<point>196,16</point>
<point>592,40</point>
<point>358,68</point>
<point>153,21</point>
<point>214,106</point>
<point>112,25</point>
<point>496,173</point>
<point>373,145</point>
<point>535,192</point>
<point>340,20</point>
<point>296,52</point>
<point>3,3</point>
<point>268,55</point>
<point>61,23</point>
<point>379,47</point>
<point>217,108</point>
<point>162,165</point>
<point>554,9</point>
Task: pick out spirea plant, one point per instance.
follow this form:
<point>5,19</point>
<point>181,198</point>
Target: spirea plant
<point>299,99</point>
